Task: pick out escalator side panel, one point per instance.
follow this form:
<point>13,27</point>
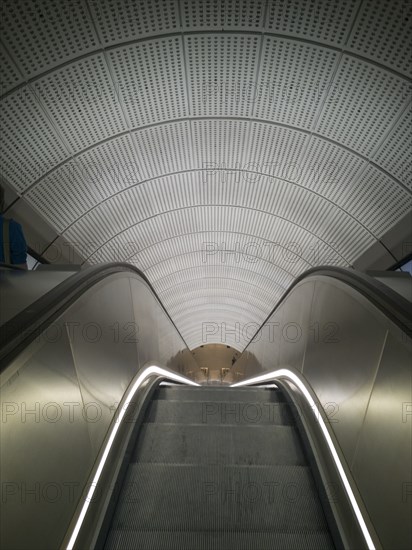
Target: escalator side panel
<point>59,397</point>
<point>357,361</point>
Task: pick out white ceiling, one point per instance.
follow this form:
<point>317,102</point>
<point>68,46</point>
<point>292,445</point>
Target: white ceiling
<point>159,131</point>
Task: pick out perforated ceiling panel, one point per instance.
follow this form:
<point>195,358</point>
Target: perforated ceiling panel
<point>382,32</point>
<point>30,145</point>
<point>41,34</point>
<point>149,80</point>
<point>324,21</point>
<point>229,15</point>
<point>304,73</point>
<point>126,20</point>
<point>9,75</point>
<point>221,146</point>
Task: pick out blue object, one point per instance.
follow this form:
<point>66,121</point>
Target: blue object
<point>18,246</point>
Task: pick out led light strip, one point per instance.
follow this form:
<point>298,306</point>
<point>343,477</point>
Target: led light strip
<point>145,374</point>
<point>292,376</point>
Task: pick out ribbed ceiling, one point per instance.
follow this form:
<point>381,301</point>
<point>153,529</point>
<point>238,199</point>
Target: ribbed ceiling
<point>157,132</point>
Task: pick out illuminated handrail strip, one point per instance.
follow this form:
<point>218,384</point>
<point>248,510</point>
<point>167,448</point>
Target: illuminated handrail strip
<point>286,373</point>
<point>149,371</point>
<point>262,378</point>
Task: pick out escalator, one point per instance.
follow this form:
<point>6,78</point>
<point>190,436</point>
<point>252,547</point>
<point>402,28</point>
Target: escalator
<point>218,469</point>
<point>96,452</point>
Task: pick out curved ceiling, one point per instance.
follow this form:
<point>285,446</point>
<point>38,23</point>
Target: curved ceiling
<point>221,146</point>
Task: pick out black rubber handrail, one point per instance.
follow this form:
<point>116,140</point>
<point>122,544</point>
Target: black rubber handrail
<point>22,329</point>
<point>397,308</point>
<point>12,267</point>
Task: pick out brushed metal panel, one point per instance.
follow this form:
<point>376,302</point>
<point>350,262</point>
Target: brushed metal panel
<point>102,335</point>
<point>19,289</point>
<point>147,321</point>
<point>81,365</point>
<point>383,462</point>
<point>267,350</point>
<point>46,451</point>
<point>295,331</point>
<point>342,356</point>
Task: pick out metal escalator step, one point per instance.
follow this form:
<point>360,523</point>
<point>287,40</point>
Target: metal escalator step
<point>221,540</point>
<point>219,498</point>
<point>219,413</point>
<point>185,444</point>
<point>251,395</point>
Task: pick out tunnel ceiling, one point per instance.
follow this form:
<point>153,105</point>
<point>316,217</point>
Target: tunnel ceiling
<point>222,147</point>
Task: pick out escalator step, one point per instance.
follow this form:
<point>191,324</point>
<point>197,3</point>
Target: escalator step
<point>185,444</point>
<point>219,413</point>
<point>251,395</point>
<point>222,540</point>
<point>219,498</point>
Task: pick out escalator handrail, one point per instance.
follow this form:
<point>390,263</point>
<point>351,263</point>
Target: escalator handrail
<point>315,415</point>
<point>12,267</point>
<point>22,329</point>
<point>157,374</point>
<point>393,305</point>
